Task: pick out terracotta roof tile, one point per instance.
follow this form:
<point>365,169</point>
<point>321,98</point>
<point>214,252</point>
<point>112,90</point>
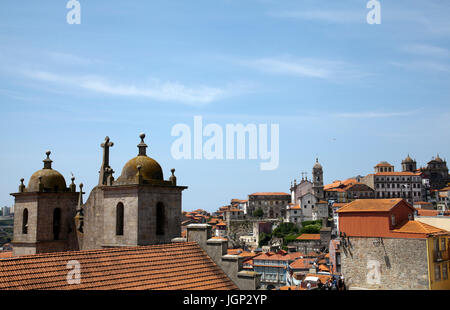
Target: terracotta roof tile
<point>370,205</point>
<point>178,266</point>
<point>416,227</point>
<point>270,194</point>
<point>308,237</point>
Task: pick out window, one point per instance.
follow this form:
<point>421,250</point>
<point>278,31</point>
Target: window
<point>393,220</point>
<point>25,222</point>
<point>443,248</point>
<point>119,219</point>
<point>160,218</point>
<point>445,271</point>
<point>436,245</point>
<point>437,272</point>
<point>410,217</point>
<point>56,223</point>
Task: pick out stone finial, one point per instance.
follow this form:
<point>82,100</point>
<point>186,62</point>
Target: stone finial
<point>21,186</point>
<point>80,196</point>
<point>72,186</point>
<point>48,161</point>
<point>79,218</point>
<point>173,178</point>
<point>142,146</point>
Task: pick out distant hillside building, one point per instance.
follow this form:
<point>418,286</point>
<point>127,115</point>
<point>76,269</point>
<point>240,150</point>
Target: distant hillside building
<point>309,195</point>
<point>273,204</point>
<point>437,172</point>
<point>388,183</point>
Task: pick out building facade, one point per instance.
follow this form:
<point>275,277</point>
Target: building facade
<point>387,183</point>
<point>273,204</point>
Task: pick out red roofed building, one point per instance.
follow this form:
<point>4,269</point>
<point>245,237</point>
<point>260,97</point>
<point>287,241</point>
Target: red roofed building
<point>380,240</point>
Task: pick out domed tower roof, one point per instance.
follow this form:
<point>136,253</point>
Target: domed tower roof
<point>148,168</point>
<point>438,159</point>
<point>47,179</point>
<point>408,159</point>
<point>383,164</point>
<point>317,165</point>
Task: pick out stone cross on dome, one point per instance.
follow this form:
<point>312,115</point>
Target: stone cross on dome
<point>105,169</point>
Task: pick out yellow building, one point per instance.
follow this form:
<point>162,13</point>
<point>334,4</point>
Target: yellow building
<point>439,261</point>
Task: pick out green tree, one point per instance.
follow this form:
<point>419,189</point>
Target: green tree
<point>264,239</point>
<point>311,229</point>
<point>258,213</point>
<point>285,229</point>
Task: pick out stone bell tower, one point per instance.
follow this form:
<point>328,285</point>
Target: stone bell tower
<point>139,208</point>
<point>317,174</point>
<point>43,213</point>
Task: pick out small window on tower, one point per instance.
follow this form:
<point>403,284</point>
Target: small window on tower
<point>56,223</point>
<point>160,218</point>
<point>25,221</point>
<point>119,219</point>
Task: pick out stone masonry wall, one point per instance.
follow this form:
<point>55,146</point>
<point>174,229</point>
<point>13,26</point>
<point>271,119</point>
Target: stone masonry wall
<point>391,264</point>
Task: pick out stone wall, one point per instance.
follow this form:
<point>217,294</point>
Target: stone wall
<point>238,228</point>
<point>40,237</point>
<point>385,263</point>
<point>217,251</point>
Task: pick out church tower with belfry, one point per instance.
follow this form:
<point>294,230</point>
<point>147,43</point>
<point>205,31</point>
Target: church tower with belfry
<point>139,208</point>
<point>44,211</point>
<point>317,174</point>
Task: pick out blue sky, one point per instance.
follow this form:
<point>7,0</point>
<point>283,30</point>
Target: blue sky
<point>350,93</point>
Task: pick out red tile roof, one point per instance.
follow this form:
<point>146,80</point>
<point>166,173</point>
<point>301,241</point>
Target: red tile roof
<point>270,194</point>
<point>174,266</point>
<point>416,227</point>
<point>422,203</point>
<point>308,237</point>
<point>304,263</point>
<point>424,212</point>
<point>6,254</point>
<point>296,207</point>
<point>399,173</point>
<point>371,205</point>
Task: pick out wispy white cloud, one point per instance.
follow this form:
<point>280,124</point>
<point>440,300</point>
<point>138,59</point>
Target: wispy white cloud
<point>373,114</point>
<point>161,91</point>
<point>69,58</point>
<point>426,50</point>
<point>335,16</point>
<point>423,65</point>
<point>305,67</point>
